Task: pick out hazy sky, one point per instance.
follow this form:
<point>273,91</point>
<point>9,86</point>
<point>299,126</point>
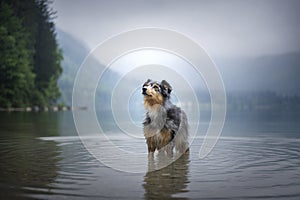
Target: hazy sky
<point>223,28</point>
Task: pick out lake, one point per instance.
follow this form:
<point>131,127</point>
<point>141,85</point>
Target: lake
<point>41,157</point>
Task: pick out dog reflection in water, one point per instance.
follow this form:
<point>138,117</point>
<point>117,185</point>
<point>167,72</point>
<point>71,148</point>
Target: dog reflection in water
<point>168,180</point>
<point>165,125</point>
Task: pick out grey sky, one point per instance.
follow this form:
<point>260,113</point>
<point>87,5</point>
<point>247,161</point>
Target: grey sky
<point>223,28</point>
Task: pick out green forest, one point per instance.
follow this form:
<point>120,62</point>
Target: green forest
<point>30,59</point>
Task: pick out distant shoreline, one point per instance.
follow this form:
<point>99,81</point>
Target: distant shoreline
<point>42,109</point>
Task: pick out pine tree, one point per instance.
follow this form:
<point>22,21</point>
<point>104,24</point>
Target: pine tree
<point>16,77</point>
<point>47,56</point>
<point>32,29</point>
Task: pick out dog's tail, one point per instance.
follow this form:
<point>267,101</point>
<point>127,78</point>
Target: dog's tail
<point>181,138</point>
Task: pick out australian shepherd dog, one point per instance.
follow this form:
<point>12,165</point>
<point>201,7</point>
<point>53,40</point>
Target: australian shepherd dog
<point>165,125</point>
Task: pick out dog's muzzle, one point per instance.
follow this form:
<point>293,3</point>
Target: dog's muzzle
<point>144,91</point>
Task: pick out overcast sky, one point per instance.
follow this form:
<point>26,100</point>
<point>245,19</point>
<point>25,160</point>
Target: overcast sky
<point>223,28</point>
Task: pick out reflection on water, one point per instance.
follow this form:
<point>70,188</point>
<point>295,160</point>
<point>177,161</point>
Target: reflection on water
<point>164,183</point>
<point>24,159</point>
<point>42,158</point>
<point>23,164</point>
<point>248,168</point>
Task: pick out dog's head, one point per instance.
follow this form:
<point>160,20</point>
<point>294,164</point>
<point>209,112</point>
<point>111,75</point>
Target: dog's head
<point>155,92</point>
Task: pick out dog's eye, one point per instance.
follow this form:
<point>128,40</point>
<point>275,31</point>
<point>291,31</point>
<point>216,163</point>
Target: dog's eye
<point>156,88</point>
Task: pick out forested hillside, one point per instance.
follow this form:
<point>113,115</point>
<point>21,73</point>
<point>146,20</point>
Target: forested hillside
<point>30,58</point>
<point>74,53</point>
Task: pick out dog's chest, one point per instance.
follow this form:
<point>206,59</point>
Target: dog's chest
<point>152,118</point>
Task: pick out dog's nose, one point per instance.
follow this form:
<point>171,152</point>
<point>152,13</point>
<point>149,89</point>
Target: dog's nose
<point>144,91</point>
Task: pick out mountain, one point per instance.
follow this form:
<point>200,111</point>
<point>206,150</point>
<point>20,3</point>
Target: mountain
<point>266,83</point>
<point>276,73</point>
<point>74,53</point>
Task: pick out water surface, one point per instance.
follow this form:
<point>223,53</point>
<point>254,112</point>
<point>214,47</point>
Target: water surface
<point>41,157</point>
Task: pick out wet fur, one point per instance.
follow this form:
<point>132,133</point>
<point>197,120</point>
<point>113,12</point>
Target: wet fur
<point>165,125</point>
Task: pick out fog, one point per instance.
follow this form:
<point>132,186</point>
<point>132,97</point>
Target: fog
<point>247,40</point>
<point>224,28</point>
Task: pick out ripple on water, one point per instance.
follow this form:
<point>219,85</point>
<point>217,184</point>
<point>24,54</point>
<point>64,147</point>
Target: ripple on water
<point>237,168</point>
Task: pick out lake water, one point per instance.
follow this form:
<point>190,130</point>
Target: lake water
<point>41,157</point>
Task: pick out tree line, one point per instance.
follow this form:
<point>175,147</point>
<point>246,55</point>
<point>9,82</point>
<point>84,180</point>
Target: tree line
<point>30,59</point>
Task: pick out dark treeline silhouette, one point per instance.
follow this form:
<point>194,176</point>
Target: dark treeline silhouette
<point>30,58</point>
<point>265,101</point>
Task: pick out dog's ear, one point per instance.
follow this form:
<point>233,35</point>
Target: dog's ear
<point>148,81</point>
<point>166,88</point>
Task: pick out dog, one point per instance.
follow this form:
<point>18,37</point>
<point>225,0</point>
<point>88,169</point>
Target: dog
<point>165,125</point>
